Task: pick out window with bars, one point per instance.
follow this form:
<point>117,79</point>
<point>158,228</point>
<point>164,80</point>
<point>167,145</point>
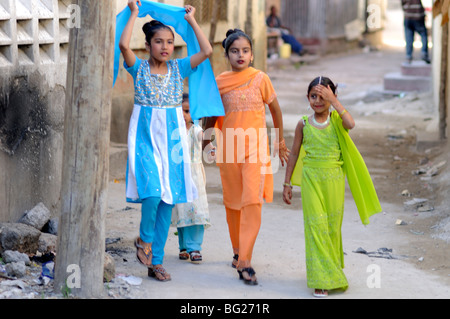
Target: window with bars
<point>33,32</point>
<point>205,9</point>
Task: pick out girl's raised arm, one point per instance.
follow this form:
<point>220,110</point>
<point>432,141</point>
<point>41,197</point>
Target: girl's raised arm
<point>124,44</point>
<point>205,47</point>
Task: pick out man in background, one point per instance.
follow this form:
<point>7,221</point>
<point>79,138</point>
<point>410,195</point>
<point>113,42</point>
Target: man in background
<point>414,20</point>
<point>274,23</point>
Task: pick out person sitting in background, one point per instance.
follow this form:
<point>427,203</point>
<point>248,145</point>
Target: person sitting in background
<point>274,23</point>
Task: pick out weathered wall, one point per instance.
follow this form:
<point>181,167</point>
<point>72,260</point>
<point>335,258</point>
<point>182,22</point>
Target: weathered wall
<point>34,36</point>
<point>33,42</point>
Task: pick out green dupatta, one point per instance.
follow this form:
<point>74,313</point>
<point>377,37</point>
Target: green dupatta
<point>358,177</point>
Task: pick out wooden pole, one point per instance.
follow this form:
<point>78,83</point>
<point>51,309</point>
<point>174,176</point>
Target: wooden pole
<point>443,84</point>
<point>81,235</point>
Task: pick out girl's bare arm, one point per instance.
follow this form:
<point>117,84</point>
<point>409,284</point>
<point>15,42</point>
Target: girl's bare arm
<point>205,47</point>
<point>124,44</point>
<point>293,158</point>
<point>277,117</point>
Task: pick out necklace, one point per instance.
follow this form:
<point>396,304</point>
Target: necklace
<point>321,125</point>
<point>160,85</point>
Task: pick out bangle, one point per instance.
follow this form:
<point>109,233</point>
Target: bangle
<point>287,185</point>
<point>342,113</point>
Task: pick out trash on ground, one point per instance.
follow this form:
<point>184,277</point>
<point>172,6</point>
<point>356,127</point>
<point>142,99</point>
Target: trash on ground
<point>380,253</point>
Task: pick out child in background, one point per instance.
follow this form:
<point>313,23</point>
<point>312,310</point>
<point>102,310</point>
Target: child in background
<point>323,154</point>
<point>191,219</point>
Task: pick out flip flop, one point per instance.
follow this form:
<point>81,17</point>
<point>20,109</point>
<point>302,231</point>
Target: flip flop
<point>155,271</point>
<point>146,250</point>
<point>320,293</point>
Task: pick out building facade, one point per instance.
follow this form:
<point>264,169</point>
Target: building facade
<point>34,37</point>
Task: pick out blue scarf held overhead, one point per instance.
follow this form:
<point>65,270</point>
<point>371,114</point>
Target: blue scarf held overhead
<point>204,96</point>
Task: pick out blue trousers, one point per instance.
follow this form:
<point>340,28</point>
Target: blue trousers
<point>411,27</point>
<point>191,238</point>
<point>296,46</point>
<point>154,227</point>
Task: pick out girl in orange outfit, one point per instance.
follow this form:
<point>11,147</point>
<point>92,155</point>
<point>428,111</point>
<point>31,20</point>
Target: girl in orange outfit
<point>243,153</point>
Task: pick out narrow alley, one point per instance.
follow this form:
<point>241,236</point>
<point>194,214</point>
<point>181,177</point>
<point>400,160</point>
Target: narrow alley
<point>385,134</point>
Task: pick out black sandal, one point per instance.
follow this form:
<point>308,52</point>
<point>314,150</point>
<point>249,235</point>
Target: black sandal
<point>196,257</point>
<point>235,258</point>
<point>251,272</point>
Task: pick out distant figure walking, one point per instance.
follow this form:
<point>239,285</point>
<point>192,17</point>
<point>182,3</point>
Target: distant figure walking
<point>414,21</point>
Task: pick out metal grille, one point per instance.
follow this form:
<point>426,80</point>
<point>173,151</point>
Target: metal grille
<point>321,19</point>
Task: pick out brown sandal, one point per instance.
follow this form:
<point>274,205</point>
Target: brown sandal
<point>159,273</point>
<point>183,255</point>
<point>146,249</point>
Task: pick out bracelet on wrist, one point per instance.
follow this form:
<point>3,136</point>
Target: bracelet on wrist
<point>342,113</point>
<point>287,185</point>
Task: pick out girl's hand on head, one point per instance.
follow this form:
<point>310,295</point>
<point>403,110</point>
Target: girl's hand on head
<point>133,5</point>
<point>326,93</point>
<point>190,13</point>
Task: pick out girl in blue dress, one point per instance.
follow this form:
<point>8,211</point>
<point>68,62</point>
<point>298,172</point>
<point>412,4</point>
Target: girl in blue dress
<point>158,172</point>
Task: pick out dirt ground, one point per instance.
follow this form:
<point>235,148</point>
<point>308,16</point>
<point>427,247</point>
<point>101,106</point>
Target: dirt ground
<point>386,135</point>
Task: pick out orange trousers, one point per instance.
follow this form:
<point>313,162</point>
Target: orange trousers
<point>244,226</point>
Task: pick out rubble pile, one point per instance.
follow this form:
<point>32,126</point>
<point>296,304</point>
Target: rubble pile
<point>27,251</point>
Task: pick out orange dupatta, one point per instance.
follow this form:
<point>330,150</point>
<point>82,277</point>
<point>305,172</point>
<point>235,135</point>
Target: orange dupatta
<point>230,80</point>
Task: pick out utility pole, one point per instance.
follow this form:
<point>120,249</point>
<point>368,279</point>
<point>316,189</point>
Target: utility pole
<point>81,234</point>
<point>443,91</point>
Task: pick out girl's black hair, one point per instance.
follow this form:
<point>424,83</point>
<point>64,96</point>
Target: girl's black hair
<point>152,27</point>
<point>233,35</point>
<point>323,81</point>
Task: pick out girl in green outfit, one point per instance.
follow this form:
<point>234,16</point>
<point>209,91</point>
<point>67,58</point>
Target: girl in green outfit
<point>321,158</point>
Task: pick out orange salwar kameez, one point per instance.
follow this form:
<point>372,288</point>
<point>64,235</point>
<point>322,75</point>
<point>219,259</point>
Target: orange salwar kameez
<point>245,170</point>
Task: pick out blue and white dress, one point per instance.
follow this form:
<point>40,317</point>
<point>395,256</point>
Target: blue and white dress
<point>158,151</point>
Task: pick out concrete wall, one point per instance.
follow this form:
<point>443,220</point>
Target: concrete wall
<point>34,36</point>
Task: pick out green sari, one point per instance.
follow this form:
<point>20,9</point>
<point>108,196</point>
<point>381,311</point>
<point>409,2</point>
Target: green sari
<point>328,156</point>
